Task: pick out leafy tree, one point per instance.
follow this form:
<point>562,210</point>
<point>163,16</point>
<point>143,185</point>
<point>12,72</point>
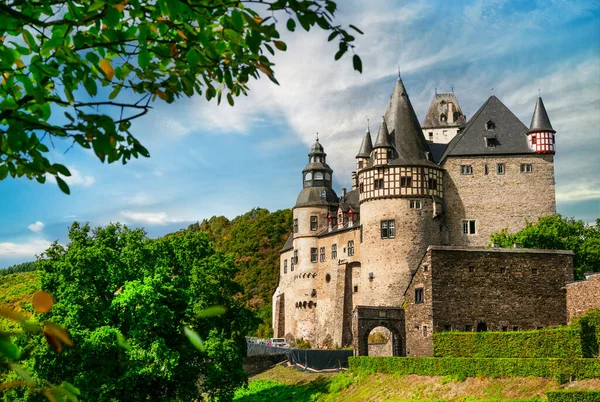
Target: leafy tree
<point>23,267</point>
<point>125,300</point>
<point>556,232</point>
<point>101,63</point>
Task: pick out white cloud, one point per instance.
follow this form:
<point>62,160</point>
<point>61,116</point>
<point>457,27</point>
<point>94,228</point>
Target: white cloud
<point>148,218</point>
<point>579,192</point>
<point>140,200</point>
<point>26,250</point>
<point>36,227</point>
<point>77,178</point>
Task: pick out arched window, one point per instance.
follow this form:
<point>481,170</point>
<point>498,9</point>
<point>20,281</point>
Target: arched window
<point>481,327</point>
<point>327,176</point>
<point>443,117</point>
<point>308,176</point>
<point>318,176</point>
<point>490,125</point>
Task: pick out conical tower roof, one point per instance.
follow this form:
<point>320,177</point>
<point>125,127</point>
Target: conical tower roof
<point>405,129</point>
<point>366,146</point>
<point>383,137</point>
<point>540,120</point>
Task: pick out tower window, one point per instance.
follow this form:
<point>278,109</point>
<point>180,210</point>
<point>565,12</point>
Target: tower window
<point>485,169</point>
<point>327,176</point>
<point>308,176</point>
<point>323,194</point>
<point>469,227</point>
<point>313,254</point>
<point>526,168</point>
<point>360,164</point>
<point>502,270</point>
<point>443,117</point>
<point>361,233</point>
<point>285,266</point>
<point>425,330</point>
<point>378,184</point>
<point>466,169</point>
<point>333,251</point>
<point>533,140</point>
<point>500,169</point>
<point>295,225</point>
<point>406,182</point>
<point>314,223</point>
<point>361,188</point>
<point>322,254</point>
<point>319,176</point>
<point>355,289</point>
<point>490,125</point>
<point>432,184</point>
<point>430,136</point>
<point>419,296</point>
<point>327,278</point>
<point>295,257</point>
<point>414,204</point>
<point>388,229</point>
<point>350,248</point>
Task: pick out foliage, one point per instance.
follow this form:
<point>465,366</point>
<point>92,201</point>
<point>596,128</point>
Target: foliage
<point>259,391</point>
<point>377,338</point>
<point>102,62</point>
<point>23,267</point>
<point>564,342</point>
<point>590,332</point>
<point>567,395</point>
<point>254,240</point>
<point>126,299</point>
<point>302,344</point>
<point>16,290</point>
<point>558,233</point>
<point>559,369</point>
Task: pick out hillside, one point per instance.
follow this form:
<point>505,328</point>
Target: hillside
<point>282,384</point>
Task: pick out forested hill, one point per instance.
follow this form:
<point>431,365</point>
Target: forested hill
<point>254,240</point>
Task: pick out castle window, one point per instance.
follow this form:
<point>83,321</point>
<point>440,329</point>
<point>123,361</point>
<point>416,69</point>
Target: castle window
<point>485,169</point>
<point>308,176</point>
<point>432,184</point>
<point>378,184</point>
<point>491,142</point>
<point>285,266</point>
<point>327,278</point>
<point>526,168</point>
<point>319,176</point>
<point>323,194</point>
<point>469,227</point>
<point>468,328</point>
<point>355,289</point>
<point>388,229</point>
<point>533,140</point>
<point>414,204</point>
<point>313,293</point>
<point>515,328</point>
<point>534,271</point>
<point>322,254</point>
<point>443,117</point>
<point>361,233</point>
<point>430,136</point>
<point>502,270</point>
<point>447,327</point>
<point>295,225</point>
<point>504,329</point>
<point>466,169</point>
<point>333,251</point>
<point>406,182</point>
<point>327,176</point>
<point>296,257</point>
<point>314,223</point>
<point>350,248</point>
<point>500,169</point>
<point>313,254</point>
<point>490,125</point>
<point>361,188</point>
<point>425,330</point>
<point>471,269</point>
<point>360,164</point>
<point>419,296</point>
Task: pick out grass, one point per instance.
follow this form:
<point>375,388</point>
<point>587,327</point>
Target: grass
<point>287,384</point>
<point>16,292</point>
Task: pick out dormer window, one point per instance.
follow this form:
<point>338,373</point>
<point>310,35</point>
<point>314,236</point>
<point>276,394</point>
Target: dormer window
<point>491,142</point>
<point>490,125</point>
<point>443,117</point>
<point>323,194</point>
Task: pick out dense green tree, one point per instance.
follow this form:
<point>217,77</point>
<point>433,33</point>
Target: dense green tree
<point>83,70</point>
<point>23,267</point>
<point>254,240</point>
<point>556,232</point>
<point>125,300</point>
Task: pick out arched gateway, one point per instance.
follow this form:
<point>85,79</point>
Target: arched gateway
<point>365,318</point>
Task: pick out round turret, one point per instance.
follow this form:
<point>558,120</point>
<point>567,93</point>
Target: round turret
<point>541,134</point>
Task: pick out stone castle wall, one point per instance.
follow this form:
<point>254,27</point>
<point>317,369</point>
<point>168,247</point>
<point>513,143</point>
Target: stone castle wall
<point>496,201</point>
<point>419,315</point>
<point>583,296</point>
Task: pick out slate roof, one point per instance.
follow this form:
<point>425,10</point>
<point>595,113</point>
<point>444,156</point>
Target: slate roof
<point>540,120</point>
<point>439,105</point>
<point>350,200</point>
<point>311,196</point>
<point>338,229</point>
<point>383,137</point>
<point>406,132</point>
<point>437,150</point>
<point>366,146</point>
<point>509,132</point>
<point>289,243</point>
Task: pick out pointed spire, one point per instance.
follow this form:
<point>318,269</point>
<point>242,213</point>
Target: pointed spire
<point>383,137</point>
<point>367,145</point>
<point>540,120</point>
<point>406,132</point>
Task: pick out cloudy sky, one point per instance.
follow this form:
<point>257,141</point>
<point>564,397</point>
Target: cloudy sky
<point>216,160</point>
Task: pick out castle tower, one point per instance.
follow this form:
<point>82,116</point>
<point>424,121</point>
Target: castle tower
<point>315,202</point>
<point>541,134</point>
<point>364,153</point>
<point>400,199</point>
<point>444,119</point>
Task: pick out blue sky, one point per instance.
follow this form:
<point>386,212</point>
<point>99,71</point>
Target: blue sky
<point>216,160</point>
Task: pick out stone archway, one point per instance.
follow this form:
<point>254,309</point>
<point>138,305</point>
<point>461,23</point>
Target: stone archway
<point>366,318</point>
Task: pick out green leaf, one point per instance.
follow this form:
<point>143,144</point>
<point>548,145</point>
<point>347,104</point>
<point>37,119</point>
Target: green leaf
<point>230,99</point>
<point>212,311</point>
<point>280,45</point>
<point>97,5</point>
<point>61,169</point>
<point>194,339</point>
<point>115,92</point>
<point>237,20</point>
<point>333,35</point>
<point>356,29</point>
<point>357,63</point>
<point>71,388</point>
<point>122,342</point>
<point>192,57</point>
<point>62,185</point>
<point>3,172</point>
<point>144,58</point>
<point>9,349</point>
<point>291,25</point>
<point>90,86</point>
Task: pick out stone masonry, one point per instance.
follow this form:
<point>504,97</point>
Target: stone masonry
<point>583,296</point>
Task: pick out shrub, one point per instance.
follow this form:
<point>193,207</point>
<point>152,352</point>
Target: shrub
<point>590,332</point>
<point>573,396</point>
<point>563,342</point>
<point>377,338</point>
<point>302,344</point>
<point>560,369</point>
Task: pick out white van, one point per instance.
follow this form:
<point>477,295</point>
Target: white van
<point>279,342</point>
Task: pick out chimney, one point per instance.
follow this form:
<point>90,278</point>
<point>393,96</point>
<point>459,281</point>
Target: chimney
<point>450,112</point>
<point>343,193</point>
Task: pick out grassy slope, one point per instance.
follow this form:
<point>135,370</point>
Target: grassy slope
<point>16,291</point>
<point>280,383</point>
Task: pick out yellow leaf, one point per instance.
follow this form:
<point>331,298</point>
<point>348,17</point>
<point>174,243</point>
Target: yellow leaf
<point>19,63</point>
<point>42,302</point>
<point>11,314</point>
<point>12,384</point>
<point>265,70</point>
<point>107,69</point>
<point>49,395</point>
<point>119,7</point>
<point>162,19</point>
<point>173,49</point>
<point>180,33</point>
<point>58,332</point>
<point>257,19</point>
<point>2,38</point>
<point>153,29</point>
<point>226,61</point>
<point>3,80</point>
<point>161,94</point>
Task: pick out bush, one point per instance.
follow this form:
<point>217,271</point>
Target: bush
<point>560,369</point>
<point>377,338</point>
<point>573,396</point>
<point>590,332</point>
<point>302,344</point>
<point>564,342</point>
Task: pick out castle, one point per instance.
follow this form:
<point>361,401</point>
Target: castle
<point>407,248</point>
